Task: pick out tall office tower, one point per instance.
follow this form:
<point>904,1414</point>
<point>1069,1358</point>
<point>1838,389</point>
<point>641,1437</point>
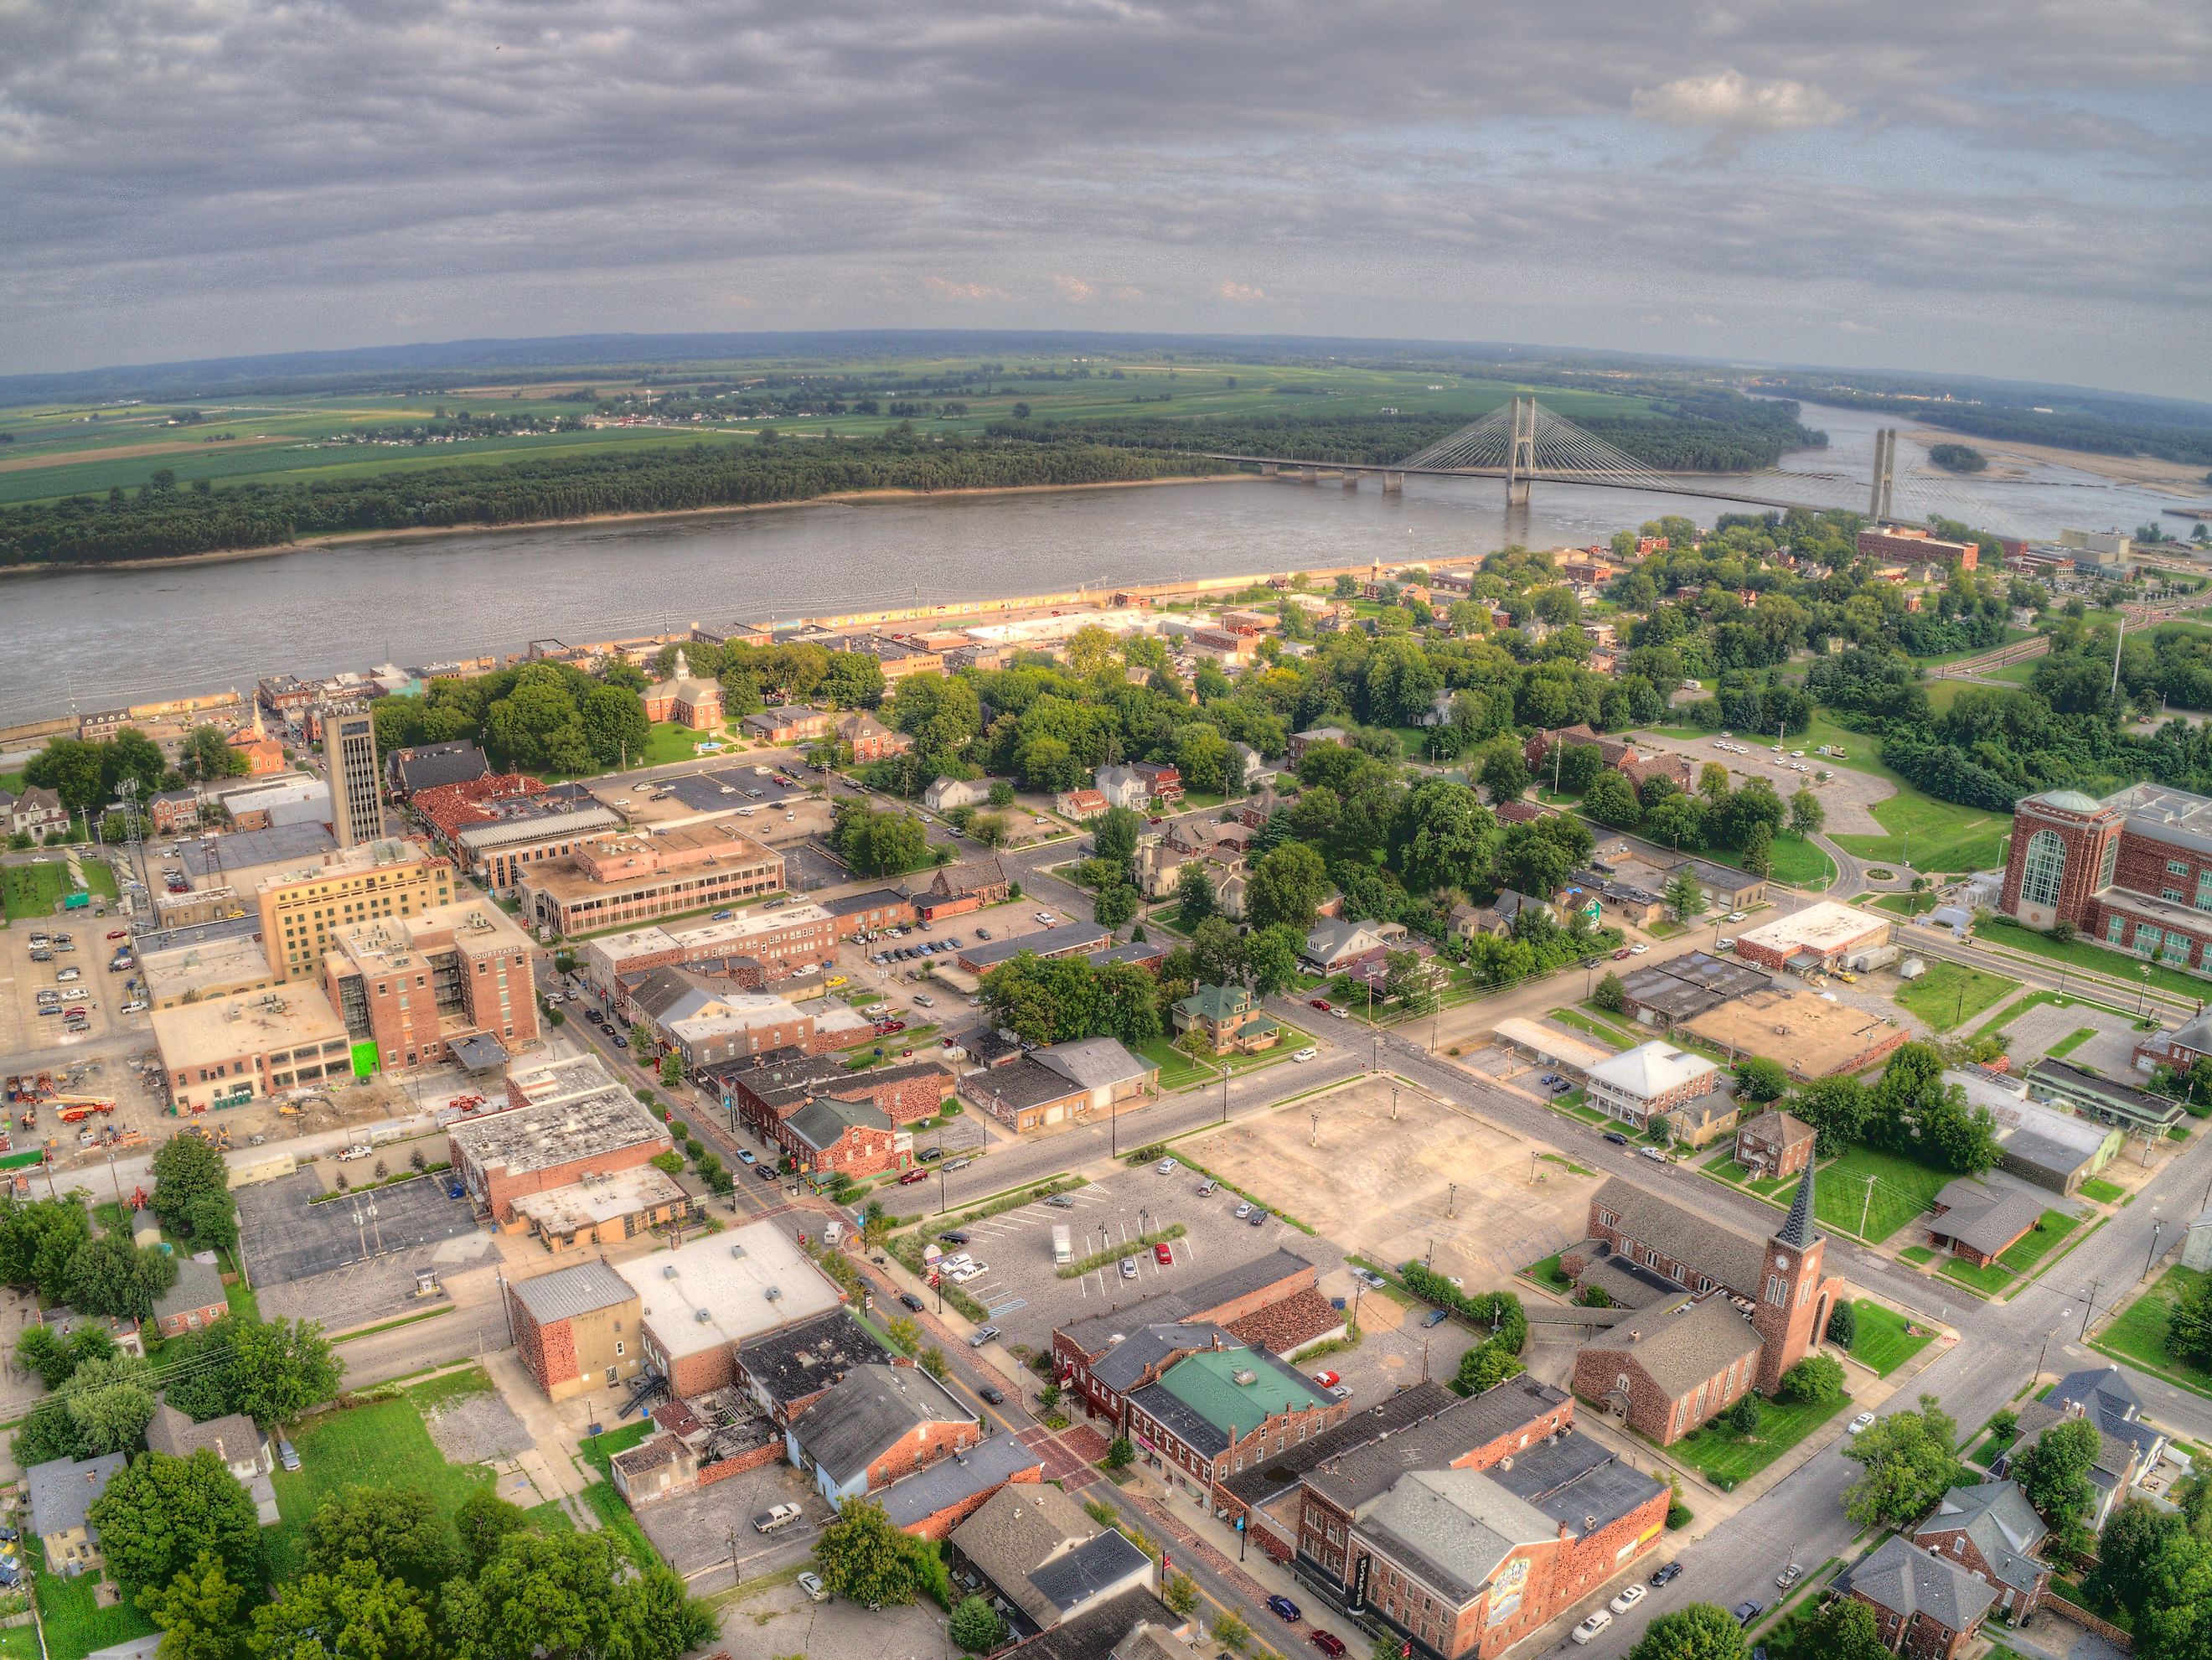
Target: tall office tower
<point>350,747</point>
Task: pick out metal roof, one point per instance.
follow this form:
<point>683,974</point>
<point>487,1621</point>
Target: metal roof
<point>569,1291</point>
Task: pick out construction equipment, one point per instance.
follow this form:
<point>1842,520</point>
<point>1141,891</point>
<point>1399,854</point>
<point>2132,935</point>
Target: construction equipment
<point>76,1110</point>
<point>287,1110</point>
<point>27,1119</point>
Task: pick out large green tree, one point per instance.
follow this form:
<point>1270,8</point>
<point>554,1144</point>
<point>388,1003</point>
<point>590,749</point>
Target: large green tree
<point>1911,1460</point>
<point>863,1557</point>
<point>200,1612</point>
<point>569,1597</point>
<point>346,1613</point>
<point>1285,887</point>
<point>157,1517</point>
<point>191,1192</point>
<point>280,1368</point>
<point>2054,1470</point>
<point>399,1531</point>
<point>1702,1631</point>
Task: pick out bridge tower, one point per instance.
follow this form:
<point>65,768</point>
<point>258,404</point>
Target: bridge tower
<point>1521,452</point>
<point>1884,473</point>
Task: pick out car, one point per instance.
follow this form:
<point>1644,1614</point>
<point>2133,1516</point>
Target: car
<point>1301,1056</point>
<point>1653,1154</point>
<point>287,1454</point>
<point>1163,1255</point>
<point>1259,1215</point>
<point>766,1172</point>
<point>1044,917</point>
<point>1628,1599</point>
<point>136,1006</point>
<point>1748,1610</point>
<point>722,916</point>
<point>776,1516</point>
<point>1327,1641</point>
<point>1598,1620</point>
<point>811,1585</point>
<point>1862,1424</point>
<point>1736,917</point>
<point>1621,955</point>
<point>67,975</point>
<point>1205,1188</point>
<point>1328,1380</point>
<point>911,1301</point>
<point>1321,1003</point>
<point>1166,1167</point>
<point>1128,1267</point>
<point>1616,1138</point>
<point>1723,944</point>
<point>1788,1576</point>
<point>1373,1281</point>
<point>1667,1575</point>
<point>746,1156</point>
<point>118,934</point>
<point>1549,1077</point>
<point>1061,1201</point>
<point>953,942</point>
<point>1435,1317</point>
<point>1561,1087</point>
<point>983,1335</point>
<point>952,1237</point>
<point>621,1042</point>
<point>1284,1609</point>
<point>1340,1014</point>
<point>1243,1210</point>
<point>983,934</point>
<point>930,1155</point>
<point>997,1397</point>
<point>908,1178</point>
<point>1637,950</point>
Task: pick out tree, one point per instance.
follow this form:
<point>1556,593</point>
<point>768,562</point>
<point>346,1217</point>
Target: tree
<point>2053,1471</point>
<point>1816,1377</point>
<point>1910,1461</point>
<point>863,1557</point>
<point>1845,1630</point>
<point>1180,1593</point>
<point>110,1402</point>
<point>1608,993</point>
<point>398,1531</point>
<point>2144,1558</point>
<point>671,1070</point>
<point>1702,1631</point>
<point>1743,1417</point>
<point>1119,1455</point>
<point>1759,851</point>
<point>1504,774</point>
<point>1286,887</point>
<point>347,1613</point>
<point>932,1361</point>
<point>1487,1365</point>
<point>975,1626</point>
<point>111,1275</point>
<point>1194,896</point>
<point>1611,800</point>
<point>1683,894</point>
<point>2189,1327</point>
<point>43,1350</point>
<point>157,1517</point>
<point>280,1368</point>
<point>1759,1078</point>
<point>1114,836</point>
<point>483,1520</point>
<point>569,1597</point>
<point>205,753</point>
<point>198,1612</point>
<point>1806,816</point>
<point>1844,1324</point>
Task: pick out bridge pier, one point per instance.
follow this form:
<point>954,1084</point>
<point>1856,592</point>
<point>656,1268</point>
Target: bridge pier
<point>1267,470</point>
<point>1309,475</point>
<point>1394,483</point>
<point>1351,479</point>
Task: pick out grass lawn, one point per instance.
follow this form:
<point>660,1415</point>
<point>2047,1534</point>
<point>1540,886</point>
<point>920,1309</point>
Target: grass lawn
<point>30,891</point>
<point>599,1450</point>
<point>1882,1339</point>
<point>614,1516</point>
<point>1720,1453</point>
<point>1902,1188</point>
<point>2086,954</point>
<point>241,1297</point>
<point>1991,1447</point>
<point>1921,833</point>
<point>1949,991</point>
<point>384,1442</point>
<point>2140,1333</point>
<point>2051,1231</point>
<point>75,1624</point>
<point>1918,1256</point>
<point>1177,1070</point>
<point>1984,1282</point>
<point>2104,1192</point>
<point>1592,1028</point>
<point>1547,1272</point>
<point>2073,1040</point>
<point>1908,904</point>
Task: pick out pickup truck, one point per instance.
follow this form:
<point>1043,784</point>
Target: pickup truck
<point>774,1517</point>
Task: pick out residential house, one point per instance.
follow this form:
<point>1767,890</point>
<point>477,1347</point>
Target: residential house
<point>1081,806</point>
<point>196,1302</point>
<point>1925,1607</point>
<point>1992,1531</point>
<point>1123,787</point>
<point>1657,1078</point>
<point>1162,782</point>
<point>969,885</point>
<point>1333,945</point>
<point>869,738</point>
<point>2128,1447</point>
<point>946,794</point>
<point>234,1438</point>
<point>1497,918</point>
<point>1227,1020</point>
<point>875,1425</point>
<point>1774,1144</point>
<point>62,1491</point>
<point>1980,1221</point>
<point>1250,766</point>
<point>38,813</point>
<point>1313,738</point>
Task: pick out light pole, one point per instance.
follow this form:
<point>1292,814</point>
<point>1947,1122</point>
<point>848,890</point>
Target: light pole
<point>1313,1134</point>
<point>2157,1227</point>
<point>1393,1119</point>
<point>1227,1073</point>
<point>1451,1200</point>
<point>2142,996</point>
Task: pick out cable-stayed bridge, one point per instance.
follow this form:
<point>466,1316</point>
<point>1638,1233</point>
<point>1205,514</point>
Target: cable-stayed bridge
<point>1523,442</point>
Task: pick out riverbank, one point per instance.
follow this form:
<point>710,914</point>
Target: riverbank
<point>421,533</point>
<point>2016,460</point>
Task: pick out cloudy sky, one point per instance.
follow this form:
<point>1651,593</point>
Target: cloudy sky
<point>2010,187</point>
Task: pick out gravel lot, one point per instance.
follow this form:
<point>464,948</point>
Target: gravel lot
<point>478,1429</point>
<point>693,1531</point>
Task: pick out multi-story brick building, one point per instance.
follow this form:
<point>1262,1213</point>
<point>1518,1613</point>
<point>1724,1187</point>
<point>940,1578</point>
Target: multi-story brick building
<point>1658,1078</point>
<point>1992,1531</point>
<point>757,949</point>
<point>861,914</point>
<point>699,1305</point>
<point>2133,872</point>
<point>788,1370</point>
<point>500,825</point>
<point>1925,1606</point>
<point>777,1084</point>
<point>569,1120</point>
<point>1774,1144</point>
<point>576,1330</point>
<point>833,1140</point>
<point>1217,1408</point>
<point>225,1051</point>
<point>1688,1351</point>
<point>690,701</point>
<point>302,908</point>
<point>418,987</point>
<point>1890,543</point>
<point>616,879</point>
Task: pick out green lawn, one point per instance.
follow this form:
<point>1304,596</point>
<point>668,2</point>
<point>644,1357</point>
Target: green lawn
<point>384,1442</point>
<point>75,1623</point>
<point>2104,1192</point>
<point>1177,1070</point>
<point>1908,904</point>
<point>1918,1256</point>
<point>2086,954</point>
<point>1547,1272</point>
<point>2140,1333</point>
<point>29,891</point>
<point>1949,991</point>
<point>2050,1231</point>
<point>1882,1339</point>
<point>614,1516</point>
<point>1928,834</point>
<point>599,1450</point>
<point>2073,1040</point>
<point>1720,1453</point>
<point>1902,1188</point>
<point>1984,1281</point>
<point>1591,1026</point>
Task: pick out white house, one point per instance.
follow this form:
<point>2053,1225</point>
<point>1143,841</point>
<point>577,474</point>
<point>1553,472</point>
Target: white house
<point>946,794</point>
<point>1654,1077</point>
<point>1123,787</point>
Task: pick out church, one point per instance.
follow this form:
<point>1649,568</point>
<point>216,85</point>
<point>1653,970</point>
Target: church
<point>686,699</point>
<point>1699,1312</point>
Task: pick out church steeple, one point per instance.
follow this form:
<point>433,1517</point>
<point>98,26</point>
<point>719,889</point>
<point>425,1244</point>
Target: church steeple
<point>1799,1231</point>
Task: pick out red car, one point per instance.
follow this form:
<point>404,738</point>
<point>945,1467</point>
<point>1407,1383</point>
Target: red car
<point>1321,1003</point>
<point>118,934</point>
<point>1163,1255</point>
<point>1328,1642</point>
<point>913,1176</point>
<point>886,1028</point>
<point>1622,955</point>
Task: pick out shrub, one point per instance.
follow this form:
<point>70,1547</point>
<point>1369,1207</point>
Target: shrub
<point>1844,1324</point>
<point>1816,1377</point>
<point>1743,1417</point>
<point>1119,1455</point>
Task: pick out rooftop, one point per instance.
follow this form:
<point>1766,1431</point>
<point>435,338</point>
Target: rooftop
<point>1684,1343</point>
<point>382,944</point>
<point>1015,1532</point>
<point>567,1292</point>
<point>62,1489</point>
<point>219,856</point>
<point>948,1481</point>
<point>1807,1033</point>
<point>1453,1529</point>
<point>1350,1479</point>
<point>822,1123</point>
<point>205,968</point>
<point>250,1023</point>
<point>808,1357</point>
<point>1260,1483</point>
<point>199,1286</point>
<point>1580,1483</point>
<point>866,1413</point>
<point>745,1281</point>
<point>1707,1244</point>
<point>233,1438</point>
<point>1986,1216</point>
<point>1907,1580</point>
<point>1059,940</point>
<point>1097,1332</point>
<point>1825,928</point>
<point>1692,984</point>
<point>1208,1397</point>
<point>568,1210</point>
<point>709,939</point>
<point>1651,1069</point>
<point>558,1131</point>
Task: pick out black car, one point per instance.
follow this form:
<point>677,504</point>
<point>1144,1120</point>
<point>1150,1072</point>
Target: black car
<point>930,1155</point>
<point>1747,1611</point>
<point>766,1172</point>
<point>1667,1575</point>
<point>911,1301</point>
<point>1283,1608</point>
<point>996,1397</point>
<point>955,1237</point>
<point>1616,1138</point>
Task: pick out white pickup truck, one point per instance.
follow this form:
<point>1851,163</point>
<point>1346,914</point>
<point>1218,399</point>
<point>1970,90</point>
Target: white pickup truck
<point>776,1516</point>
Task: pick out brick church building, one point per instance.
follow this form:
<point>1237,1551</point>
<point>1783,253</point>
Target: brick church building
<point>1700,1312</point>
<point>2133,872</point>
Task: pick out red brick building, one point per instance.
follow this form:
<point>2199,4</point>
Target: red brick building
<point>1993,1533</point>
<point>571,1120</point>
<point>1925,1606</point>
<point>774,1086</point>
<point>2133,872</point>
<point>1899,543</point>
<point>969,885</point>
<point>1774,1144</point>
<point>849,1139</point>
<point>576,1330</point>
<point>878,1423</point>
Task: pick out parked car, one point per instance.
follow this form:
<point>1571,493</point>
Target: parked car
<point>1598,1620</point>
<point>907,1179</point>
<point>1327,1641</point>
<point>287,1454</point>
<point>1653,1154</point>
<point>995,1397</point>
<point>952,1237</point>
<point>1328,1380</point>
<point>1621,955</point>
<point>983,1335</point>
<point>1060,1201</point>
<point>1243,1210</point>
<point>766,1172</point>
<point>1748,1610</point>
<point>1788,1576</point>
<point>777,1518</point>
<point>1163,1255</point>
<point>911,1301</point>
<point>1259,1215</point>
<point>1321,1003</point>
<point>356,1151</point>
<point>746,1156</point>
<point>1435,1317</point>
<point>983,934</point>
<point>930,1155</point>
<point>1862,1424</point>
<point>1616,1138</point>
<point>1284,1609</point>
<point>1301,1056</point>
<point>1165,1167</point>
<point>1205,1188</point>
<point>811,1585</point>
<point>1128,1267</point>
<point>1667,1575</point>
<point>1628,1599</point>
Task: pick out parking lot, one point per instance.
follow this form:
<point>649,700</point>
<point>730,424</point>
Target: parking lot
<point>1846,793</point>
<point>694,1530</point>
<point>81,949</point>
<point>285,1238</point>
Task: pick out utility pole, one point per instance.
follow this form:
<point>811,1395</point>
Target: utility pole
<point>1451,1200</point>
<point>1866,1208</point>
<point>2088,1307</point>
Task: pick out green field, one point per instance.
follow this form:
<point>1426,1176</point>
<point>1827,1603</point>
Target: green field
<point>74,1622</point>
<point>384,1442</point>
<point>1908,904</point>
<point>1721,1454</point>
<point>1178,1071</point>
<point>1950,991</point>
<point>2104,1192</point>
<point>2052,1230</point>
<point>1928,834</point>
<point>1881,1340</point>
<point>31,891</point>
<point>2085,954</point>
<point>2139,1334</point>
<point>1902,1188</point>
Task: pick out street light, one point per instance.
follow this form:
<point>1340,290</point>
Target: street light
<point>1394,1114</point>
<point>1451,1200</point>
<point>1313,1135</point>
<point>2157,1228</point>
<point>1227,1073</point>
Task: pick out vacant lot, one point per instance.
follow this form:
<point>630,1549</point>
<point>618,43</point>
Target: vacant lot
<point>1870,1193</point>
<point>2140,1333</point>
<point>1950,992</point>
<point>1432,1180</point>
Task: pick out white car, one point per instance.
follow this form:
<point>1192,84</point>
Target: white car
<point>1305,1054</point>
<point>1736,917</point>
<point>1165,1167</point>
<point>1862,1423</point>
<point>1591,1627</point>
<point>1639,950</point>
<point>1627,1599</point>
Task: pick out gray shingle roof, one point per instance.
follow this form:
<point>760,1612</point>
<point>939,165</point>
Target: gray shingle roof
<point>1105,1563</point>
<point>1094,1334</point>
<point>2003,1525</point>
<point>1984,1216</point>
<point>1682,1345</point>
<point>233,1438</point>
<point>1095,1063</point>
<point>856,1422</point>
<point>1121,1366</point>
<point>986,1465</point>
<point>199,1286</point>
<point>1262,1483</point>
<point>63,1489</point>
<point>1707,1245</point>
<point>1350,1481</point>
<point>569,1291</point>
<point>1015,1532</point>
<point>1908,1581</point>
<point>1452,1528</point>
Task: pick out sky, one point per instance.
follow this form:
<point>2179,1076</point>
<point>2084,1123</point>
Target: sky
<point>2018,188</point>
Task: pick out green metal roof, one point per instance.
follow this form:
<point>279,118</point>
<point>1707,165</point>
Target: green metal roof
<point>1206,1383</point>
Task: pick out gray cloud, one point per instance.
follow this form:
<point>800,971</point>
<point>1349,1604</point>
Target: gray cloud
<point>1983,185</point>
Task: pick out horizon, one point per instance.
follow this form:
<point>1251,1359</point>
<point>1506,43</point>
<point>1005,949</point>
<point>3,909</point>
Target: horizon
<point>1970,193</point>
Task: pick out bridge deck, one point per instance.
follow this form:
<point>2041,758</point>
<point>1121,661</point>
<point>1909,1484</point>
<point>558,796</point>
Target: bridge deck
<point>1549,476</point>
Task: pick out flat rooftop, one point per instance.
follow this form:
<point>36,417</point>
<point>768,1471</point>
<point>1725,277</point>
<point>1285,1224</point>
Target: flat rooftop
<point>600,1199</point>
<point>709,790</point>
<point>387,943</point>
<point>218,859</point>
<point>1807,1034</point>
<point>386,853</point>
<point>709,939</point>
<point>559,1131</point>
<point>2159,810</point>
<point>1060,939</point>
<point>727,1287</point>
<point>250,1023</point>
<point>235,960</point>
<point>1826,927</point>
<point>560,1080</point>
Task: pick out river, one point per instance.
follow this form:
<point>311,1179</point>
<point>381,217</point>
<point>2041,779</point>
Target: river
<point>94,639</point>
